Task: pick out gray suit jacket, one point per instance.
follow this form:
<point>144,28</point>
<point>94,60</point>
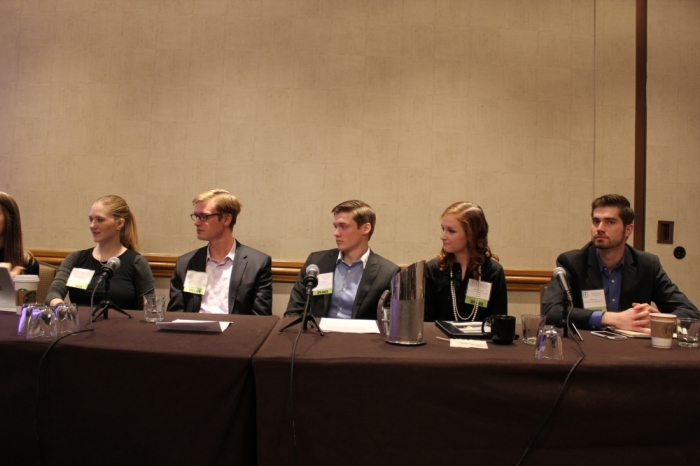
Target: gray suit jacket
<point>643,281</point>
<point>250,290</point>
<point>375,279</point>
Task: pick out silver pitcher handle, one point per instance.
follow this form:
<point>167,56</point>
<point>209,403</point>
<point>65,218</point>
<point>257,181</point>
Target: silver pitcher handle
<point>382,315</point>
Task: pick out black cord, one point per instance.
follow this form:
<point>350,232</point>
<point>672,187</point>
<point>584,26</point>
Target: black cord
<point>561,393</point>
<point>38,377</point>
<point>291,382</point>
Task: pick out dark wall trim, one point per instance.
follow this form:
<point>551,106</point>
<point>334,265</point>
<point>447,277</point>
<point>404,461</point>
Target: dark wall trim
<point>640,126</point>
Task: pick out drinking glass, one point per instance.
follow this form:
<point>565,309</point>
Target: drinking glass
<point>549,344</point>
<point>154,308</point>
<point>531,327</point>
<point>67,319</point>
<point>42,324</point>
<point>687,330</point>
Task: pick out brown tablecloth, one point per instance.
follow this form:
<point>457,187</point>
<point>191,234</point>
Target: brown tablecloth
<point>128,393</point>
<point>359,400</point>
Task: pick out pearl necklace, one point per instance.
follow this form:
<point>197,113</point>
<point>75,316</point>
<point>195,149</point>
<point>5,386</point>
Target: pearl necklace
<point>471,316</point>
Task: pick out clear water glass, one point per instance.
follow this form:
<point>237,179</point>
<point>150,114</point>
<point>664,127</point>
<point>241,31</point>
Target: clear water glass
<point>549,343</point>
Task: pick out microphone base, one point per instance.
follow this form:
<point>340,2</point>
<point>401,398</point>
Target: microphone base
<point>304,324</point>
<point>306,317</point>
<point>103,310</point>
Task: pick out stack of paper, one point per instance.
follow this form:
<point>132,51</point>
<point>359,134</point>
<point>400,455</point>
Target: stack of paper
<point>194,325</point>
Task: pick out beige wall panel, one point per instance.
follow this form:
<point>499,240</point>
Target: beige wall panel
<point>37,29</point>
<point>383,40</point>
<point>9,27</point>
<point>451,13</point>
<point>174,31</point>
<point>9,63</point>
<point>206,67</point>
<point>522,106</point>
<point>34,64</point>
<point>346,72</point>
<point>673,166</point>
<point>348,37</point>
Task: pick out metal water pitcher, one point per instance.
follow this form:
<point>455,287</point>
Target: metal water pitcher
<point>402,323</point>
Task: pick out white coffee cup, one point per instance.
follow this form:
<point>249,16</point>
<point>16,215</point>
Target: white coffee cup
<point>25,289</point>
<point>662,328</point>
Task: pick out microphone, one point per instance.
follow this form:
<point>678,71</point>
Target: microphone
<point>107,270</point>
<point>311,278</point>
<point>560,274</point>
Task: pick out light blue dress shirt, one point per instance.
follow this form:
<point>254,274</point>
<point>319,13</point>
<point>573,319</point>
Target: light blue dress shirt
<point>346,280</point>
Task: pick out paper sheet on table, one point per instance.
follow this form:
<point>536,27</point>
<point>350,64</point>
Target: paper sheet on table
<point>461,343</point>
<point>348,325</point>
<point>194,325</point>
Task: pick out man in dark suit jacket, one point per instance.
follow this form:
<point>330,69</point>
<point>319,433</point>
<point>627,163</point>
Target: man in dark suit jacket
<point>224,276</point>
<point>352,278</point>
<point>630,279</point>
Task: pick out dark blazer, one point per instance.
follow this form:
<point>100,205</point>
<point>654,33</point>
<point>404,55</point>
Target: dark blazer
<point>375,279</point>
<point>643,281</point>
<point>438,294</point>
<point>250,290</point>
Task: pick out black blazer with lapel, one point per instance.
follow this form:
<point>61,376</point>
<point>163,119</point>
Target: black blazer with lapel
<point>643,281</point>
<point>250,290</point>
<point>375,279</point>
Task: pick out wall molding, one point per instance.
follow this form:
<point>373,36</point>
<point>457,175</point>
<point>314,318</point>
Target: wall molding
<point>163,265</point>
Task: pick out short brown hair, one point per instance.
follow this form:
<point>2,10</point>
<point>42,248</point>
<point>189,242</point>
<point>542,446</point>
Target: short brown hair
<point>225,202</point>
<point>361,213</point>
<point>615,200</point>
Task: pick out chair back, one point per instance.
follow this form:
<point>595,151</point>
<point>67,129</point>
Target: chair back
<point>47,272</point>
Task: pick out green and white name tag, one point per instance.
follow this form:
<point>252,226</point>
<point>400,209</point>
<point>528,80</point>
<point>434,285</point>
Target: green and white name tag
<point>325,284</point>
<point>80,278</point>
<point>484,293</point>
<point>195,282</point>
<point>594,300</point>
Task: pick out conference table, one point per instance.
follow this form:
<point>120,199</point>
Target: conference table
<point>128,393</point>
<point>360,400</point>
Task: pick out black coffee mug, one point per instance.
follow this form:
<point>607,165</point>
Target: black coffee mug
<point>502,329</point>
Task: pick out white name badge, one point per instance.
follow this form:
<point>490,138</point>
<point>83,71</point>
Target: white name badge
<point>594,300</point>
<point>80,278</point>
<point>195,282</point>
<point>484,293</point>
<point>325,284</point>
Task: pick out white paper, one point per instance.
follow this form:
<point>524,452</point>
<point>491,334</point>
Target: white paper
<point>459,343</point>
<point>194,325</point>
<point>348,325</point>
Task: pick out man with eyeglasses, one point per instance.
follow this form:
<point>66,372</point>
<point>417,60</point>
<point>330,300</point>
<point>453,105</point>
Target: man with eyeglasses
<point>224,277</point>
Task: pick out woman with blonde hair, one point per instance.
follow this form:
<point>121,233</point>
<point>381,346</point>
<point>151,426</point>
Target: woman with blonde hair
<point>113,228</point>
<point>465,282</point>
<point>12,252</point>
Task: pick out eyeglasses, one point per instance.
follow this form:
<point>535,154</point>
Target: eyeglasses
<point>203,217</point>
